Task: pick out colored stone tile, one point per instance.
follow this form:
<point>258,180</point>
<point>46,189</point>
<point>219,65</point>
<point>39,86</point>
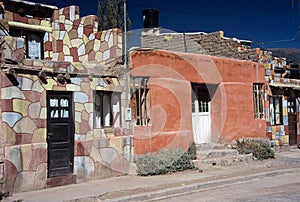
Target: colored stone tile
<point>13,154</point>
<point>21,106</point>
<point>90,135</point>
<point>68,58</point>
<point>89,107</point>
<point>76,42</point>
<point>9,181</point>
<point>37,86</point>
<point>106,55</point>
<point>11,118</point>
<point>43,114</point>
<point>108,154</point>
<point>24,181</point>
<point>9,135</point>
<point>6,105</point>
<point>84,127</point>
<point>39,135</point>
<point>99,56</point>
<point>96,45</point>
<point>110,42</point>
<point>68,25</point>
<point>77,116</point>
<point>95,155</point>
<point>84,59</point>
<point>89,46</point>
<point>80,31</point>
<point>117,143</point>
<point>11,92</point>
<point>50,84</point>
<point>104,46</point>
<point>119,166</point>
<point>107,35</point>
<point>85,39</point>
<point>32,96</point>
<point>61,18</point>
<point>81,50</point>
<point>40,177</point>
<point>84,166</point>
<point>84,116</point>
<point>72,87</point>
<point>25,125</point>
<point>80,97</point>
<point>26,154</point>
<point>79,107</point>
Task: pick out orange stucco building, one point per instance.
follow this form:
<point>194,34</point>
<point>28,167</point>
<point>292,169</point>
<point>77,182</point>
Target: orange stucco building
<point>182,97</point>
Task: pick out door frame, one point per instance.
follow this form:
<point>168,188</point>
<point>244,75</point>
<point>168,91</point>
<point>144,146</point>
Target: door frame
<point>201,113</point>
<point>56,122</point>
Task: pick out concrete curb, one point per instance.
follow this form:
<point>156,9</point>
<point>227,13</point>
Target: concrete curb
<point>162,194</point>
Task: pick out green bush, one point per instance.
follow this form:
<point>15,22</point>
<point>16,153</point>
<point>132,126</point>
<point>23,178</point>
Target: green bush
<point>164,161</point>
<point>260,148</point>
<point>192,151</point>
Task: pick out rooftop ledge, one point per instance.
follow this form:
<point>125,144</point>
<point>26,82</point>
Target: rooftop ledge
<point>35,4</point>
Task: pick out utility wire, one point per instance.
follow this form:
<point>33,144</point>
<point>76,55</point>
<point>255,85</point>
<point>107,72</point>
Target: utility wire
<point>262,10</point>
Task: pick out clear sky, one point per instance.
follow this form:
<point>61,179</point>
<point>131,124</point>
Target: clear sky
<point>270,23</point>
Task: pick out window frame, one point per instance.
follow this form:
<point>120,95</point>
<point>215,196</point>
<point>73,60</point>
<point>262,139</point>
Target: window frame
<point>274,113</point>
<point>140,100</point>
<point>99,108</point>
<point>258,100</point>
<point>15,32</point>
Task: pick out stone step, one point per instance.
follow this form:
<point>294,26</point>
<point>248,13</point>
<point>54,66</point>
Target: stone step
<point>223,161</point>
<point>209,146</point>
<point>216,153</point>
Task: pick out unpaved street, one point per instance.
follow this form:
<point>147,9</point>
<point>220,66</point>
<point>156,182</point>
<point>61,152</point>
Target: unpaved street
<point>276,188</point>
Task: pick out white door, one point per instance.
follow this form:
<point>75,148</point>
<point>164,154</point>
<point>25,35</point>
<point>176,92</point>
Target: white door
<point>201,119</point>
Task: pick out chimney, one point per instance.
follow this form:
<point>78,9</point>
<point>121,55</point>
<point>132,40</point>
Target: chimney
<point>150,18</point>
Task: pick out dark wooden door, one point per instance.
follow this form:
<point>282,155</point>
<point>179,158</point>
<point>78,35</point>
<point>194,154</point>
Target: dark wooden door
<point>292,121</point>
<point>60,133</point>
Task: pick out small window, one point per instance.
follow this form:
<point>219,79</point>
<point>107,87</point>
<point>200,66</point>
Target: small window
<point>276,110</point>
<point>34,42</point>
<point>140,100</point>
<point>201,98</point>
<point>258,100</point>
<point>107,109</point>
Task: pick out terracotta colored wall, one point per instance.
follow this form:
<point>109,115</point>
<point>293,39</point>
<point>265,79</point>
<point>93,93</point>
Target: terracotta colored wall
<point>232,104</point>
<point>170,124</point>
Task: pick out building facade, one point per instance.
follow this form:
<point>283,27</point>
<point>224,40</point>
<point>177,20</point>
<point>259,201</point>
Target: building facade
<point>62,98</point>
<point>182,97</point>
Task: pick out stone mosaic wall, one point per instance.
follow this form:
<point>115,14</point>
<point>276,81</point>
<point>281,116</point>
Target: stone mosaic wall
<point>98,152</point>
<point>76,39</point>
<point>279,134</point>
<point>70,38</point>
<point>71,45</point>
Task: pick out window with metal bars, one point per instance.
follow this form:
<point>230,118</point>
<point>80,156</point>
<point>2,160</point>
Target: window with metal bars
<point>107,109</point>
<point>258,100</point>
<point>140,100</point>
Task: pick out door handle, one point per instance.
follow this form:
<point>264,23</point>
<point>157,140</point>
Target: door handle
<point>50,135</point>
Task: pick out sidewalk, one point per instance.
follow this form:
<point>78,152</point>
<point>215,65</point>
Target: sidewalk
<point>137,188</point>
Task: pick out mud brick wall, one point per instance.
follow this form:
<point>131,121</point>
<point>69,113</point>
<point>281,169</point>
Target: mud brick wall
<point>209,44</point>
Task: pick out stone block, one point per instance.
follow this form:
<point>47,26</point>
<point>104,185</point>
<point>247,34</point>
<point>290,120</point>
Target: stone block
<point>26,154</point>
<point>25,125</point>
<point>24,181</point>
<point>40,177</point>
<point>21,106</point>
